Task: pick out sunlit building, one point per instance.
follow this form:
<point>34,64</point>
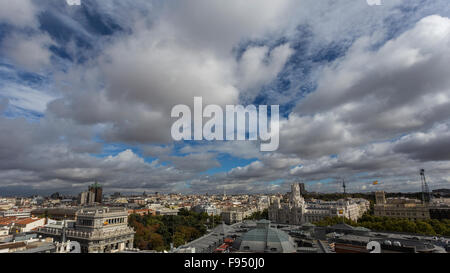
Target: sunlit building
<point>297,211</point>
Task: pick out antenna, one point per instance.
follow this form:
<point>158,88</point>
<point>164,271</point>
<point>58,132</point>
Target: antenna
<point>343,186</point>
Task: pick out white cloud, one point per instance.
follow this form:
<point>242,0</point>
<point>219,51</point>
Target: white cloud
<point>18,13</point>
<point>168,52</point>
<point>259,66</point>
<point>73,2</point>
<point>375,95</point>
<point>28,52</point>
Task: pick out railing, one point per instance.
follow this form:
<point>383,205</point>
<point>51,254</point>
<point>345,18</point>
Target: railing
<point>87,235</point>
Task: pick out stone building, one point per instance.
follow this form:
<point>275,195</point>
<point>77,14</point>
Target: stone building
<point>233,215</point>
<point>208,208</point>
<point>411,209</point>
<point>297,211</point>
<point>97,229</point>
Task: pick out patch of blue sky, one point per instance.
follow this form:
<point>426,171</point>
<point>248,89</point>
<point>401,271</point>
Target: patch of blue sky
<point>24,93</point>
<point>114,149</point>
<point>322,181</point>
<point>9,72</point>
<point>359,175</point>
<point>23,97</point>
<point>407,15</point>
<point>277,182</point>
<point>228,162</point>
<point>187,184</point>
<point>84,27</point>
<point>299,76</point>
<point>14,112</point>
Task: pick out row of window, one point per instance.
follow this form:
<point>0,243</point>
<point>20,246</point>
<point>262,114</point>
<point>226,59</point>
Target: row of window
<point>115,221</point>
<point>403,214</point>
<point>85,222</point>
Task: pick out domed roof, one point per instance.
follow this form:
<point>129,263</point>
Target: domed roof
<point>271,235</point>
<point>263,238</point>
<point>362,229</point>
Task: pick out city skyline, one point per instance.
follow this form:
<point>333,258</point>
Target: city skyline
<point>87,87</point>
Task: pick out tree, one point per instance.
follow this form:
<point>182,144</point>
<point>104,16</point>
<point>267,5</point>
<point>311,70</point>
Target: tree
<point>259,215</point>
<point>427,227</point>
<point>158,232</point>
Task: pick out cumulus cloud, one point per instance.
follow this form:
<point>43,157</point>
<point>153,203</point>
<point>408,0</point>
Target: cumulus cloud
<point>163,67</point>
<point>258,67</point>
<point>432,145</point>
<point>371,93</point>
<point>18,13</point>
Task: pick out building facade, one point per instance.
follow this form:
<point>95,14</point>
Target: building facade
<point>297,211</point>
<point>93,195</point>
<point>231,216</point>
<point>400,208</point>
<point>97,229</point>
<point>208,208</point>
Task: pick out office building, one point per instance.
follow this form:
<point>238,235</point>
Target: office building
<point>97,229</point>
<point>411,209</point>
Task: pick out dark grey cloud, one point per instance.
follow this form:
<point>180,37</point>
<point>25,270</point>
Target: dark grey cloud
<point>430,146</point>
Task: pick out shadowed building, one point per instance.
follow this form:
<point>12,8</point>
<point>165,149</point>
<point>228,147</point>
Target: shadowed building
<point>97,191</point>
<point>92,196</point>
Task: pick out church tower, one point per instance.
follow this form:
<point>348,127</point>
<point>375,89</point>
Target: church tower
<point>297,205</point>
<point>296,199</point>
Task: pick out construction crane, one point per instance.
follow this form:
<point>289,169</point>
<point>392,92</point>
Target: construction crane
<point>426,194</point>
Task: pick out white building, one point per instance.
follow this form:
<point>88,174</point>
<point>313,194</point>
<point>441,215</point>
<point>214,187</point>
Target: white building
<point>209,208</point>
<point>298,212</point>
<point>19,213</point>
<point>27,225</point>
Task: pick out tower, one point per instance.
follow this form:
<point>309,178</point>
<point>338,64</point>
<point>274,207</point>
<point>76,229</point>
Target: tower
<point>302,189</point>
<point>97,191</point>
<point>296,206</point>
<point>295,198</point>
<point>380,197</point>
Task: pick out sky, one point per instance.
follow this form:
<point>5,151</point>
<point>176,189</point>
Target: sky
<point>87,88</point>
